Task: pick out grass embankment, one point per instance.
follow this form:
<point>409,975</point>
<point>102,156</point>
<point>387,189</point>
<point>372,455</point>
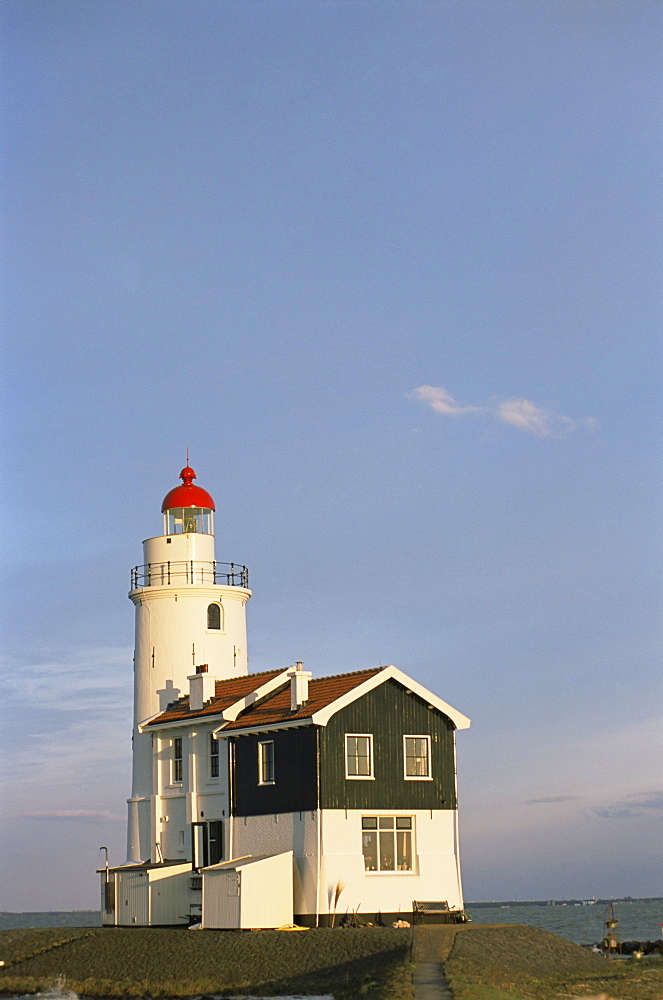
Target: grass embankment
<point>370,963</point>
<point>514,962</point>
<point>482,962</point>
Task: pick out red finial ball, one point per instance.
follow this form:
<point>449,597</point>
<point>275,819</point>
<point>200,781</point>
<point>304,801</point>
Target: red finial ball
<point>188,495</point>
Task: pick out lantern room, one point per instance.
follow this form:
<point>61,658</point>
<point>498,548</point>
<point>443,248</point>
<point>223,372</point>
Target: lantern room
<point>188,509</point>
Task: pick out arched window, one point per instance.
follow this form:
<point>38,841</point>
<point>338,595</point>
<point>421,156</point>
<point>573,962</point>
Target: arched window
<point>214,616</point>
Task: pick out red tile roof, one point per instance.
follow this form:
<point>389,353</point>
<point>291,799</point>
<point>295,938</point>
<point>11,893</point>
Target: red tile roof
<point>274,709</point>
<point>322,692</point>
<point>226,693</point>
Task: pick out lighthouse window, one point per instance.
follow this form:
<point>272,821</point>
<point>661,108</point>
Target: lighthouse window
<point>214,616</point>
<point>177,759</point>
<point>358,756</point>
<point>188,521</point>
<point>386,843</point>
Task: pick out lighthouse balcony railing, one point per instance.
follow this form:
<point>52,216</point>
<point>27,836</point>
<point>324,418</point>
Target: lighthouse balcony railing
<point>189,572</point>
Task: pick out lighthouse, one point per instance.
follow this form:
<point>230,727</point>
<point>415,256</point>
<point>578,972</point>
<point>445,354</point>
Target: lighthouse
<point>190,631</point>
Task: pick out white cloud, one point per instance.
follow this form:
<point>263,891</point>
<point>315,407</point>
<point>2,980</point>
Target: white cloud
<point>441,401</point>
<point>74,713</point>
<point>632,805</point>
<point>553,799</point>
<point>520,413</point>
<point>529,417</point>
<point>74,814</point>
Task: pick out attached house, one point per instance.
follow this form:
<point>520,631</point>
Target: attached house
<point>354,774</point>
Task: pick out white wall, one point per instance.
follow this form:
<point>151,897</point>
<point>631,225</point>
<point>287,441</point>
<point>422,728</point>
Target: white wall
<point>435,874</point>
<point>199,797</point>
<point>296,832</point>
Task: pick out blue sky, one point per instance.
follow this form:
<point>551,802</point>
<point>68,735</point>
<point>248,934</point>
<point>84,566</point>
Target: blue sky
<point>388,269</point>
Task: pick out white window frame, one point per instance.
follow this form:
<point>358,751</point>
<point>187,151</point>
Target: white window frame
<point>380,830</point>
<point>359,777</point>
<point>417,777</point>
<point>213,742</point>
<point>177,759</point>
<point>263,764</point>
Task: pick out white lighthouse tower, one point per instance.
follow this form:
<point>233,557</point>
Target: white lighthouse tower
<point>190,619</point>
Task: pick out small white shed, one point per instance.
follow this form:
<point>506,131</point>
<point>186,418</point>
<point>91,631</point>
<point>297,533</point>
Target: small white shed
<point>256,891</point>
<point>150,894</point>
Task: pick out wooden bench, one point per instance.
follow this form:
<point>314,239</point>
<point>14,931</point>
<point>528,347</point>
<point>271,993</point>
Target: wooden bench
<point>434,912</point>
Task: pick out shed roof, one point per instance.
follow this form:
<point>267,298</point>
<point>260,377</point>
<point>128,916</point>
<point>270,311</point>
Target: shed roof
<point>144,866</point>
<point>251,859</point>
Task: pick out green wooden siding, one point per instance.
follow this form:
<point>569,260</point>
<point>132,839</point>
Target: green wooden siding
<point>388,713</point>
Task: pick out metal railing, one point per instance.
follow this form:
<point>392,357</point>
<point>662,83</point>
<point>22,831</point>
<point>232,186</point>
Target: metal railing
<point>188,572</point>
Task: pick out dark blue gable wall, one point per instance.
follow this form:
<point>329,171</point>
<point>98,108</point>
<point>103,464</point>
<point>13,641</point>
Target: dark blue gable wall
<point>387,713</point>
<point>295,773</point>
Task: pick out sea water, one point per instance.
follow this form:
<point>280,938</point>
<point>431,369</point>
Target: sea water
<point>639,919</point>
<point>51,918</point>
<point>584,923</point>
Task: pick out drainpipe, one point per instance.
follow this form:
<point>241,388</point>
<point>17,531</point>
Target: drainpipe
<point>156,803</point>
<point>193,767</point>
<point>106,851</point>
<point>231,798</point>
<point>106,881</point>
<point>319,810</point>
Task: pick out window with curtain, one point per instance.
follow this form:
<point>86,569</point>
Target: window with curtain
<point>358,755</point>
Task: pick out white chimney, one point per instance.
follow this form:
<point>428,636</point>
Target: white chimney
<point>298,686</point>
<point>201,687</point>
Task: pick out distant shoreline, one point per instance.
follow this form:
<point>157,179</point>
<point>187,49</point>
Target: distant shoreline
<point>568,902</point>
<point>481,903</point>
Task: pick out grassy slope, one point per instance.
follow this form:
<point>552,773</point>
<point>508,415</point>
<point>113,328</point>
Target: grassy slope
<point>506,962</point>
<point>514,962</point>
<point>137,962</point>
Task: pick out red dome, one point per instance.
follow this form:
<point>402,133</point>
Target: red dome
<point>187,495</point>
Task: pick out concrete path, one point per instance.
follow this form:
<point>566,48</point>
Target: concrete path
<point>429,982</point>
<point>432,944</point>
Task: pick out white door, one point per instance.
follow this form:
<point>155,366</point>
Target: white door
<point>231,903</point>
<point>134,900</point>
